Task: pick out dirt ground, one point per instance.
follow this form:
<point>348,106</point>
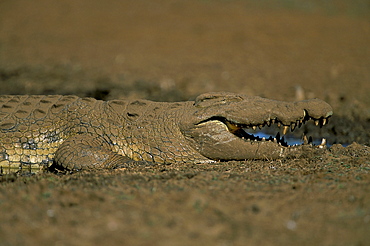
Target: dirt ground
<point>174,50</point>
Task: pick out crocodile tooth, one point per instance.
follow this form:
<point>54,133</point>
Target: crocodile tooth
<point>304,113</point>
<point>323,143</point>
<point>273,121</point>
<point>278,124</point>
<point>305,140</point>
<point>260,126</point>
<point>299,124</point>
<point>275,140</point>
<point>324,122</point>
<point>317,122</point>
<point>254,127</point>
<point>292,126</point>
<point>268,123</point>
<point>285,129</point>
<point>263,139</point>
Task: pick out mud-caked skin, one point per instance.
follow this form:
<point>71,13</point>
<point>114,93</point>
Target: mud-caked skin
<point>83,133</point>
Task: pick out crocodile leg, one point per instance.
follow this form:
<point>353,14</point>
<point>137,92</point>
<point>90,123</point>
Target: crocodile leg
<point>83,152</point>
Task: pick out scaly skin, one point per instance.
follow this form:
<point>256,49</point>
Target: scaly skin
<point>75,133</point>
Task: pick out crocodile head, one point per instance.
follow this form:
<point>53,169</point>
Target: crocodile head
<point>216,127</point>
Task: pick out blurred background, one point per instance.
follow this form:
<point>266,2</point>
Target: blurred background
<point>174,50</point>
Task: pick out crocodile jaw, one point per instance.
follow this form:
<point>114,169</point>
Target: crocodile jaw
<point>213,140</point>
<point>219,138</point>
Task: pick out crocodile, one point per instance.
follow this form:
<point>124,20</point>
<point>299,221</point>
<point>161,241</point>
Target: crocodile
<point>74,133</point>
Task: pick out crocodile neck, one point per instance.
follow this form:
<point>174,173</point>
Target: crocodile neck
<point>148,131</point>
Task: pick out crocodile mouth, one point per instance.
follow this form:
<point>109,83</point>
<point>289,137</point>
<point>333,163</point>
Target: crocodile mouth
<point>272,130</point>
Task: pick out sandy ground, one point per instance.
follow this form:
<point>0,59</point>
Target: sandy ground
<point>175,50</point>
